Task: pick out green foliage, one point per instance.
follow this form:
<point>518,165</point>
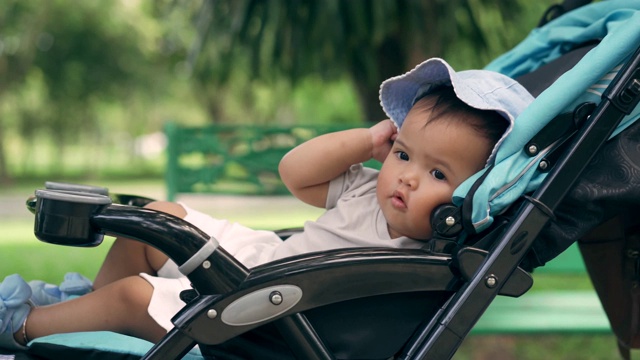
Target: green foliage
<point>367,41</point>
<point>80,82</point>
<point>332,37</point>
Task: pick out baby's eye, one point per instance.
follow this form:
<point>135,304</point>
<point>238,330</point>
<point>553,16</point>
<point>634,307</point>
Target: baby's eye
<point>402,155</point>
<point>438,174</point>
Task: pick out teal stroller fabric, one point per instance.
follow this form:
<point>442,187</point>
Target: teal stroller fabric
<point>514,173</point>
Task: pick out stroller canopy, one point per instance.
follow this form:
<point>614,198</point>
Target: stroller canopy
<point>616,24</point>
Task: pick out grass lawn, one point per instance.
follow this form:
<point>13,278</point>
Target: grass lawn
<point>21,252</point>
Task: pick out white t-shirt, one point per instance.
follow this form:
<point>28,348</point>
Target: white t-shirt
<point>353,219</point>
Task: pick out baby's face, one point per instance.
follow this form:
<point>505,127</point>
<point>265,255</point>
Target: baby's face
<point>425,165</point>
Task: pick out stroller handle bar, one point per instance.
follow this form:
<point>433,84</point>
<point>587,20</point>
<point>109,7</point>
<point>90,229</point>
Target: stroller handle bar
<point>82,219</point>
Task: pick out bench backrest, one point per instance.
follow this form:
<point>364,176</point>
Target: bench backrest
<point>232,159</point>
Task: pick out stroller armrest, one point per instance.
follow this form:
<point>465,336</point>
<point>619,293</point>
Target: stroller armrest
<point>287,287</point>
<point>215,271</point>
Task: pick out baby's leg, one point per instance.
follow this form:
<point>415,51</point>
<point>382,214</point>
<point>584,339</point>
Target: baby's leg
<point>120,306</point>
<point>130,257</point>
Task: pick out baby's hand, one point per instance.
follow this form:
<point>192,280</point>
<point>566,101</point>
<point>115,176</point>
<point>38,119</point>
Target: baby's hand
<point>383,134</point>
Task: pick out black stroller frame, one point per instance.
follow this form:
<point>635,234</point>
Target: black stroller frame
<point>443,337</point>
<point>229,299</point>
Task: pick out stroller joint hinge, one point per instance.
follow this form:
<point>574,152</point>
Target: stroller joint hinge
<point>559,128</point>
<point>540,206</point>
<point>634,256</point>
<point>633,269</point>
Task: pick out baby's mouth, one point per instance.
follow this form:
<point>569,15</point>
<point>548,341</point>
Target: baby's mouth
<point>398,200</point>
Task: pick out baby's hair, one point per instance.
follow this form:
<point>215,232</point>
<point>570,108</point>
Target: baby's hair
<point>443,101</point>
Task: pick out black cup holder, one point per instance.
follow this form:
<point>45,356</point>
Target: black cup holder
<point>63,217</point>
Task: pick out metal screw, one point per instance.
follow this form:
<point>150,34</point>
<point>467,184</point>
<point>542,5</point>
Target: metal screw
<point>533,149</point>
<point>206,264</point>
<point>276,298</point>
<point>212,313</point>
<point>450,221</point>
<point>491,281</point>
<point>544,164</point>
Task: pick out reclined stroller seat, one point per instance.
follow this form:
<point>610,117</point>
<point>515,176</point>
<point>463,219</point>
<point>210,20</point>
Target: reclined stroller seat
<point>409,304</point>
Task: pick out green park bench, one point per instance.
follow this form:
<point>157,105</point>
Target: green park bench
<point>232,159</point>
<point>240,159</point>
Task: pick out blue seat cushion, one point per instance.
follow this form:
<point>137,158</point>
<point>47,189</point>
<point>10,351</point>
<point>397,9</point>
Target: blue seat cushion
<point>94,345</point>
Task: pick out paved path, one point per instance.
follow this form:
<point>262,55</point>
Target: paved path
<point>256,209</point>
<point>13,207</point>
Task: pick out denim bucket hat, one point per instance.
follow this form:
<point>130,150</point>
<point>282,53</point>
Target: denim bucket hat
<point>480,89</point>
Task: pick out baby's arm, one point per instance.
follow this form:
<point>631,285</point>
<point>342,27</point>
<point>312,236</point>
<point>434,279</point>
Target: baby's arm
<point>307,169</point>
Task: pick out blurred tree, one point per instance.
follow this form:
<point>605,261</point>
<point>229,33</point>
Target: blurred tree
<point>369,41</point>
<point>79,55</point>
<point>71,71</point>
<point>96,53</point>
<point>14,61</point>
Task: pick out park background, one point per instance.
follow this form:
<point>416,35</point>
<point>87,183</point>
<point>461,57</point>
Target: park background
<point>87,87</point>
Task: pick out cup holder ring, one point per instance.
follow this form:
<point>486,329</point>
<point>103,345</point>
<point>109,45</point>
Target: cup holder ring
<point>53,185</point>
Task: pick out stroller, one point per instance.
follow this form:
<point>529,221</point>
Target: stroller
<point>422,303</point>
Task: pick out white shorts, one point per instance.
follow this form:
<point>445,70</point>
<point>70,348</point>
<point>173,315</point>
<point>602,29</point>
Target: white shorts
<point>251,247</point>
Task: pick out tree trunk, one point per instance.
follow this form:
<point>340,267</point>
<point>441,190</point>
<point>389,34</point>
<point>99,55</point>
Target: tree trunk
<point>4,171</point>
<point>390,60</point>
